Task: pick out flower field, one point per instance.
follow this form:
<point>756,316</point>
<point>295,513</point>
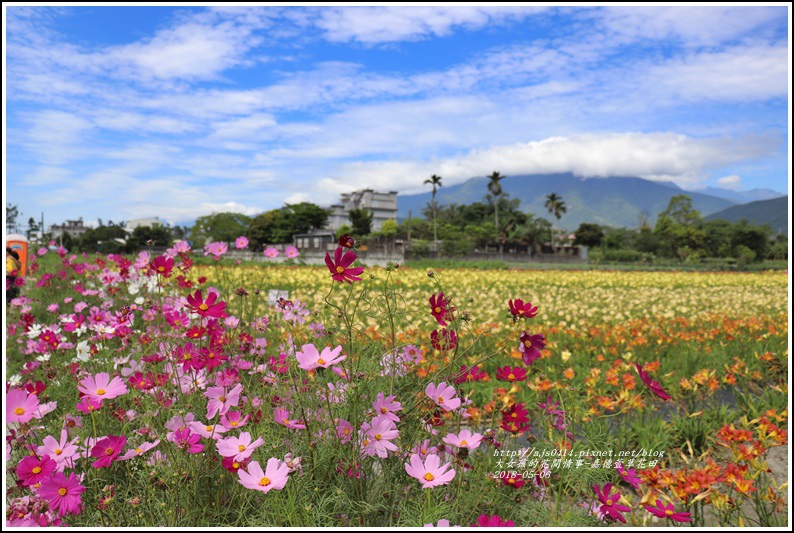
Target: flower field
<point>153,391</point>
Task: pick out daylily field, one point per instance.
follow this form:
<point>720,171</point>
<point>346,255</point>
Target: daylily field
<point>152,390</point>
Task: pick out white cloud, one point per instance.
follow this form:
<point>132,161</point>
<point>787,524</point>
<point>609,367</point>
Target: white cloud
<point>730,182</point>
<point>689,25</point>
<point>656,156</point>
<point>382,24</point>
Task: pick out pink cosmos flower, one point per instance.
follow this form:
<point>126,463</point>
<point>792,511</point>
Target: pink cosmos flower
<point>61,452</point>
<point>88,405</point>
<point>238,448</point>
<point>271,253</point>
<point>32,470</point>
<point>241,243</point>
<point>273,478</point>
<point>430,472</point>
<point>107,450</point>
<point>208,431</point>
<point>217,249</point>
<point>138,450</point>
<point>423,449</point>
<point>340,265</point>
<point>387,407</point>
<point>668,511</point>
<point>379,437</point>
<point>291,252</point>
<point>233,420</point>
<point>63,494</point>
<point>443,396</point>
<point>101,387</point>
<point>441,523</point>
<point>20,406</point>
<point>281,416</point>
<point>221,399</point>
<point>309,358</point>
<point>464,439</point>
<point>344,430</point>
<point>492,521</point>
<point>654,386</point>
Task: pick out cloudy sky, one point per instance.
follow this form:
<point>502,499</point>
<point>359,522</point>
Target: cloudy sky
<point>128,112</point>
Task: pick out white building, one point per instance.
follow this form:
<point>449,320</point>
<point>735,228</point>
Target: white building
<point>149,222</point>
<point>382,204</point>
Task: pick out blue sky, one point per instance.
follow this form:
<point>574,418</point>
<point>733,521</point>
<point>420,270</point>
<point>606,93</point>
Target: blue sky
<point>124,112</point>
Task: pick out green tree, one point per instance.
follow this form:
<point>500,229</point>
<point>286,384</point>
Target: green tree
<point>589,235</point>
<point>361,220</point>
<point>435,182</point>
<point>277,226</point>
<point>110,238</point>
<point>32,227</point>
<point>678,228</point>
<point>219,227</point>
<point>12,213</point>
<point>141,236</point>
<point>751,237</point>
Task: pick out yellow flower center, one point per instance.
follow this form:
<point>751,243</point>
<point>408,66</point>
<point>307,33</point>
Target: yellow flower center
<point>463,443</point>
<point>204,307</point>
<point>347,431</point>
<point>437,310</point>
<point>222,399</point>
<point>429,477</point>
<point>511,480</point>
<point>378,436</point>
<point>108,451</point>
<point>264,482</point>
<point>528,344</point>
<point>19,411</point>
<point>58,451</point>
<point>233,423</point>
<point>514,415</point>
<point>321,361</point>
<point>511,376</point>
<point>62,491</point>
<point>161,269</point>
<point>241,448</point>
<point>384,410</point>
<point>339,270</point>
<point>668,512</point>
<point>236,464</point>
<point>138,451</point>
<point>36,470</point>
<point>440,399</point>
<point>609,502</point>
<point>208,428</point>
<point>101,391</point>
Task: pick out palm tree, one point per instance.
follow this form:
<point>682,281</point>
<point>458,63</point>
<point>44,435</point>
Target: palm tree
<point>555,205</point>
<point>496,190</point>
<point>435,181</point>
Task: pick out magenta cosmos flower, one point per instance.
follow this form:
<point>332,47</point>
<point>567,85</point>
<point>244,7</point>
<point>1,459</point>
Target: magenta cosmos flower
<point>667,511</point>
<point>309,358</point>
<point>440,308</point>
<point>162,266</point>
<point>654,387</point>
<point>492,521</point>
<point>519,309</point>
<point>273,478</point>
<point>629,475</point>
<point>610,505</point>
<point>207,307</point>
<point>63,494</point>
<point>511,374</point>
<point>443,395</point>
<point>20,406</point>
<point>431,473</point>
<point>32,470</point>
<point>530,347</point>
<point>184,439</point>
<point>107,450</point>
<point>340,266</point>
<point>101,387</point>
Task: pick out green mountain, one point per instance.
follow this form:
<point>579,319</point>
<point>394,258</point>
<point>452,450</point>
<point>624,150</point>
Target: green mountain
<point>773,212</point>
<point>616,202</point>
